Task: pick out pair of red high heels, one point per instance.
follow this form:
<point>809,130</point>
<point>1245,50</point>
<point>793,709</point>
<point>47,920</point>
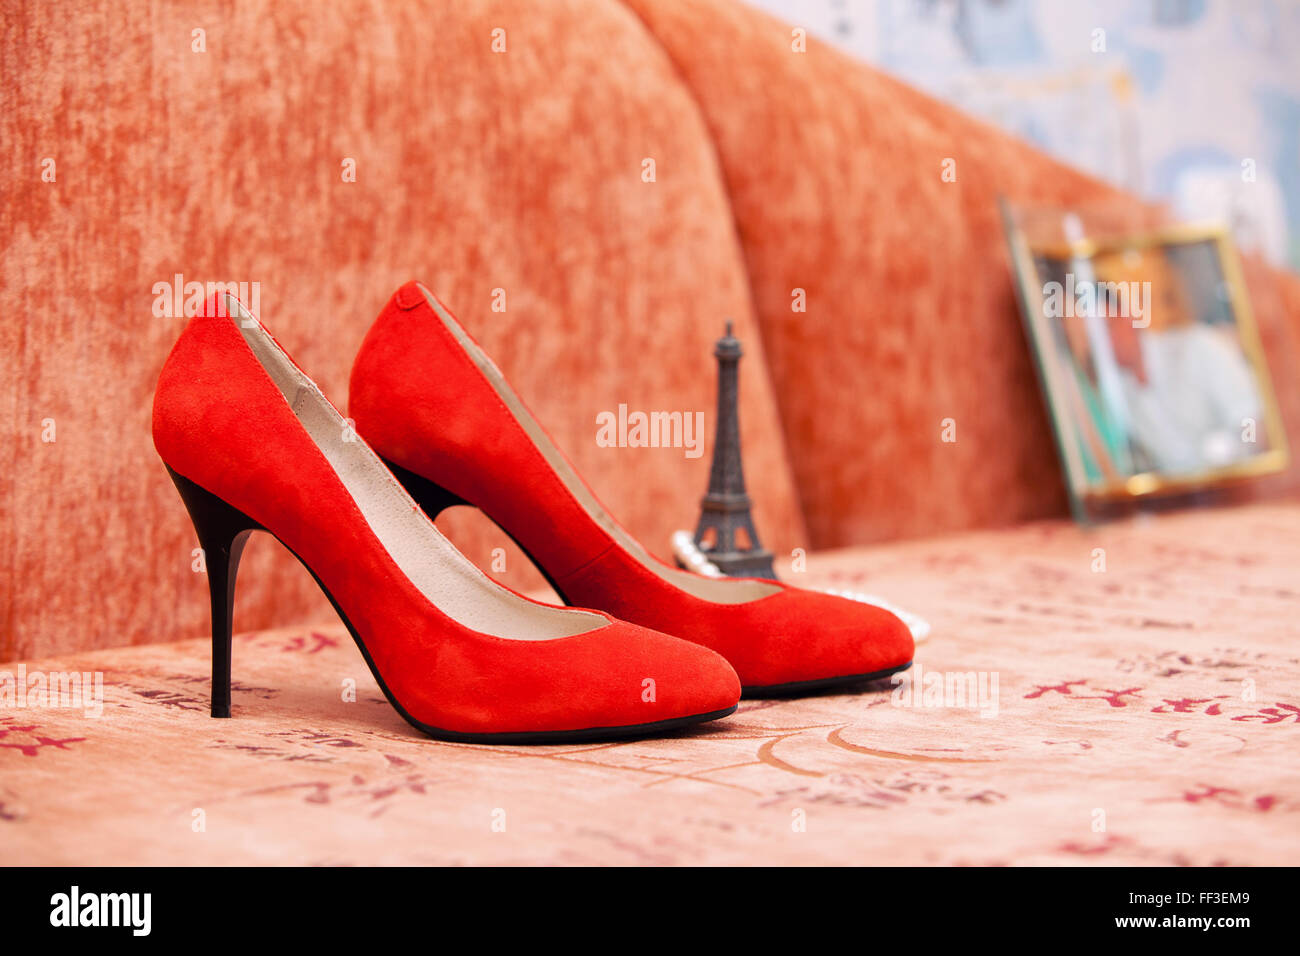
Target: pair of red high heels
<point>252,444</point>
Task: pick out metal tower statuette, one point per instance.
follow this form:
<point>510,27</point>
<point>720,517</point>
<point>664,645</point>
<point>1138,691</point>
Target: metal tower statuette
<point>725,508</point>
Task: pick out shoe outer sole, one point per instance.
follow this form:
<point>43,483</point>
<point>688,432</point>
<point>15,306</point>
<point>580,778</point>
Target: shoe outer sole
<point>797,688</point>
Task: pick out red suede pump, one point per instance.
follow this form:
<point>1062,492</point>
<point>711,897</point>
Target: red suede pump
<point>430,401</point>
<point>252,444</point>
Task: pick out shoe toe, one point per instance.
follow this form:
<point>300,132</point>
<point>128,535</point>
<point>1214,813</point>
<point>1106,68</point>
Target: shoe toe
<point>672,678</point>
<point>812,636</point>
<point>621,676</point>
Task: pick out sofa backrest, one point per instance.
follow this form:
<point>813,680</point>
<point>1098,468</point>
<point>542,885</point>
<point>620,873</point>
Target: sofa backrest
<point>329,153</point>
<point>836,178</point>
<point>593,186</point>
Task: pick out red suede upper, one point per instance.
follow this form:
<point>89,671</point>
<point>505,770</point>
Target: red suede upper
<point>420,401</point>
<point>220,421</point>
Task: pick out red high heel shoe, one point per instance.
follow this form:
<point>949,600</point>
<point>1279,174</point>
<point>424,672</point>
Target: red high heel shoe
<point>252,444</point>
<point>437,409</point>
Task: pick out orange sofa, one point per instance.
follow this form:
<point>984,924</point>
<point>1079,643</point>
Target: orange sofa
<point>1145,715</point>
<point>498,151</point>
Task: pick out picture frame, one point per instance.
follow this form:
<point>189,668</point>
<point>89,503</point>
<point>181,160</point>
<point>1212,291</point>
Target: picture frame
<point>1149,359</point>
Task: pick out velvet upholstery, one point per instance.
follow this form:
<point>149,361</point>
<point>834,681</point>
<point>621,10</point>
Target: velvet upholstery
<point>519,171</point>
<point>1078,690</point>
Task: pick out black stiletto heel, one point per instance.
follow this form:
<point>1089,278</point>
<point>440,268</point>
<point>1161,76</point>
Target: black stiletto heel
<point>223,532</point>
<point>432,498</point>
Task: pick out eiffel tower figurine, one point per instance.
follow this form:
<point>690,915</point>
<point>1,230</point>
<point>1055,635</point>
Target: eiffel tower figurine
<point>725,508</point>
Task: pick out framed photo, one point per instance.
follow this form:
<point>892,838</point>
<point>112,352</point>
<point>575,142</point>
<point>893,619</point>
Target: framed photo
<point>1150,361</point>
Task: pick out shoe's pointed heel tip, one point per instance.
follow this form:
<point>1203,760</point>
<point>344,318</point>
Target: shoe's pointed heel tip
<point>221,688</point>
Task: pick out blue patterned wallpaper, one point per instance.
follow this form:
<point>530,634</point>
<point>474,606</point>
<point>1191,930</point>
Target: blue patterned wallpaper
<point>1196,102</point>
